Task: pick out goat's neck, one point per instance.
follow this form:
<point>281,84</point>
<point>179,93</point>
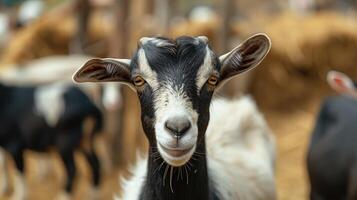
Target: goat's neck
<point>187,182</point>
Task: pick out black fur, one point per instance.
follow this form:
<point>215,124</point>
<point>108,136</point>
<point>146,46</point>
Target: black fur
<point>332,155</point>
<point>176,63</point>
<point>21,128</point>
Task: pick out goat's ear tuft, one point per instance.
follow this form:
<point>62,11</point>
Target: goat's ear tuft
<point>104,70</point>
<point>244,57</point>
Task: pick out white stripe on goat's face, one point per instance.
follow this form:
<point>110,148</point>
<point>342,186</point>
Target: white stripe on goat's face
<point>205,70</point>
<point>173,106</point>
<point>175,95</point>
<point>145,70</point>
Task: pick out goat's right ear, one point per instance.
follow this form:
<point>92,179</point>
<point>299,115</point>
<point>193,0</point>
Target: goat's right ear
<point>244,57</point>
<point>341,83</point>
<point>104,70</point>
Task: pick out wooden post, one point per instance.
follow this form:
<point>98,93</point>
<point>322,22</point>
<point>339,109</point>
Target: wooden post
<point>162,14</point>
<point>80,39</point>
<point>235,87</point>
<point>118,49</point>
<point>227,10</point>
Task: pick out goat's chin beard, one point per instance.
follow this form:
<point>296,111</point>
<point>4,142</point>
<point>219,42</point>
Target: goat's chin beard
<point>176,158</point>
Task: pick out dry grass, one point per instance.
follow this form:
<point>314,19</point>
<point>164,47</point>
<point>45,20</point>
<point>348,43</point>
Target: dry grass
<point>303,50</point>
<point>52,35</point>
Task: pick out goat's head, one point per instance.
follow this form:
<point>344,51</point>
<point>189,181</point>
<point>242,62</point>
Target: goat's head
<point>175,81</point>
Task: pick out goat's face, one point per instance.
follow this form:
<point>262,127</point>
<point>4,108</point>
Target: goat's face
<point>175,80</point>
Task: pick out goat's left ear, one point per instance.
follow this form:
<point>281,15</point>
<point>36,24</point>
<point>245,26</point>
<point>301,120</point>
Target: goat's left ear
<point>104,70</point>
<point>244,57</point>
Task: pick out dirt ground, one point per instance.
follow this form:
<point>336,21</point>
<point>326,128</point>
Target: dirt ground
<point>45,181</point>
<point>292,136</point>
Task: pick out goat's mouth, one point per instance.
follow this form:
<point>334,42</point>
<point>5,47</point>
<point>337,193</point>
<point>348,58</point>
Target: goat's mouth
<point>176,156</point>
<point>175,152</point>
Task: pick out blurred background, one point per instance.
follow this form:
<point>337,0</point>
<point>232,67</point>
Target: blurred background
<point>309,38</point>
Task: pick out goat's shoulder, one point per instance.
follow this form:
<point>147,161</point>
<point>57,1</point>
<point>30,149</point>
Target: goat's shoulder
<point>239,125</point>
<point>240,150</point>
<point>235,180</point>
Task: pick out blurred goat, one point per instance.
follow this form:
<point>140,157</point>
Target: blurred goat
<point>45,117</point>
<point>175,81</point>
<point>332,155</point>
<point>53,69</point>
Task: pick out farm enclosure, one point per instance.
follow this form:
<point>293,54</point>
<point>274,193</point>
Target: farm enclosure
<point>288,86</point>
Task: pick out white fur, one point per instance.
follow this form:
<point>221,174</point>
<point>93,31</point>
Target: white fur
<point>205,70</point>
<point>157,41</point>
<point>49,102</point>
<point>203,38</point>
<point>240,154</point>
<point>241,151</point>
<point>132,187</point>
<point>145,70</point>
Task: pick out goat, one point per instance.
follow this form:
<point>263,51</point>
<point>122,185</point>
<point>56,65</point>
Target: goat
<point>48,117</point>
<point>331,159</point>
<point>175,81</point>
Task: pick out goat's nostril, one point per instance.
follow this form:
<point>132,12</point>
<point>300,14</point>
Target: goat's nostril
<point>178,125</point>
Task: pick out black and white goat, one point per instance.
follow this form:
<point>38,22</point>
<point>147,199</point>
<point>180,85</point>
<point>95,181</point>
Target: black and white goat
<point>332,155</point>
<point>48,117</point>
<point>175,81</point>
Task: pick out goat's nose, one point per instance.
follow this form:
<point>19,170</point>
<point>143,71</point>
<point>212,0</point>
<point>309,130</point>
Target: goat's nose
<point>178,126</point>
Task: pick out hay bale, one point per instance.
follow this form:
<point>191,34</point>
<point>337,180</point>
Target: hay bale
<point>51,35</point>
<point>303,50</point>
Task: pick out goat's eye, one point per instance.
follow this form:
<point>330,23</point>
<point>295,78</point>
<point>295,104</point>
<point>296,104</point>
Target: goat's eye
<point>212,80</point>
<point>139,81</point>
